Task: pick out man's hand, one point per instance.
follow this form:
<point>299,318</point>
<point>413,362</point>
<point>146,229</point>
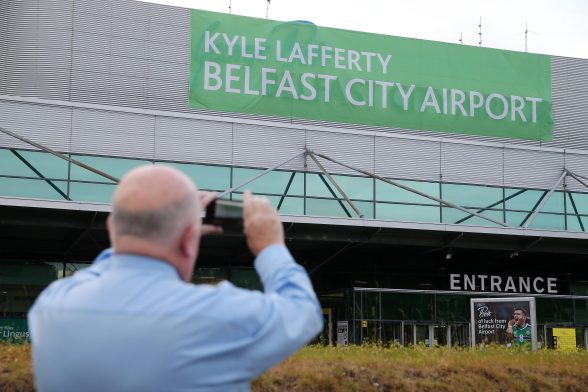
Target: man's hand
<point>262,225</point>
<point>511,323</point>
<point>205,199</point>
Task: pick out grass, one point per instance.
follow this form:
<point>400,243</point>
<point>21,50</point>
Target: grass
<point>373,368</point>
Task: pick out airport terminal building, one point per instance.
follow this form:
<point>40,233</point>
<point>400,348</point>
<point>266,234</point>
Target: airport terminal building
<point>411,176</point>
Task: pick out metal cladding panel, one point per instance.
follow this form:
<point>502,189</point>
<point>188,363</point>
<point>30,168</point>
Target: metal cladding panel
<point>129,66</point>
<point>130,9</point>
<point>103,7</point>
<point>125,87</point>
<point>54,39</point>
<point>532,169</point>
<point>53,59</point>
<point>130,28</point>
<point>53,84</point>
<point>570,100</point>
<point>169,15</point>
<point>261,146</point>
<point>409,159</point>
<point>176,35</point>
<point>90,62</point>
<point>91,44</point>
<point>191,140</point>
<point>426,133</point>
<point>113,133</point>
<point>578,164</point>
<point>128,47</point>
<point>168,89</point>
<point>47,125</point>
<point>168,71</point>
<point>467,163</point>
<point>171,53</point>
<point>353,150</point>
<point>91,23</point>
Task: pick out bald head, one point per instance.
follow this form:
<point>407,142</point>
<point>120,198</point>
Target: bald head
<point>154,203</point>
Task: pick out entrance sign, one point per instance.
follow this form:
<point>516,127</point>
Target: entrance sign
<point>504,321</point>
<point>506,284</point>
<point>297,69</point>
<point>564,339</point>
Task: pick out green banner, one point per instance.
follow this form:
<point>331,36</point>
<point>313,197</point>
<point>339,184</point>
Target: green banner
<point>296,69</point>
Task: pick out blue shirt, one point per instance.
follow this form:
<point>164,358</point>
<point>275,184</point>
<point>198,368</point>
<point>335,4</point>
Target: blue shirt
<point>128,323</point>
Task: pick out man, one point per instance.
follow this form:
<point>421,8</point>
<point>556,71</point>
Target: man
<point>133,322</point>
<point>518,331</point>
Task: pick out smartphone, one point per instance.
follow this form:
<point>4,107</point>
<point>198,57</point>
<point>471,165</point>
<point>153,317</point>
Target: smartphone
<point>224,213</point>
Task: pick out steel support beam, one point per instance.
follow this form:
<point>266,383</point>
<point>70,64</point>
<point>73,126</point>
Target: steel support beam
<point>359,214</point>
<point>545,199</point>
<point>334,195</point>
<point>286,190</point>
<point>58,154</point>
<point>263,173</point>
<point>407,188</point>
<point>37,172</point>
<point>492,205</point>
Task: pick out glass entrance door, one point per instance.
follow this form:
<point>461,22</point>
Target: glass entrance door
<point>459,335</point>
<point>417,334</point>
<point>440,335</point>
<point>391,333</point>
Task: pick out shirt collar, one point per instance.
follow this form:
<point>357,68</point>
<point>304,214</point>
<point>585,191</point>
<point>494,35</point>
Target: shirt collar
<point>144,263</point>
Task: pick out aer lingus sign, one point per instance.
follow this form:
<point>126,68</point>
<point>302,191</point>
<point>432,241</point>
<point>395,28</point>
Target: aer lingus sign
<point>296,69</point>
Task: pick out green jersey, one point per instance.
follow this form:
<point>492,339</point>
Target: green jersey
<point>521,335</point>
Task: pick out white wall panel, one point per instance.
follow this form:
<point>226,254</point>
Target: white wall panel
<point>263,147</point>
<point>133,10</point>
<point>129,66</point>
<point>90,44</point>
<point>167,33</point>
<point>91,23</point>
<point>169,52</point>
<point>353,150</point>
<point>578,164</point>
<point>102,7</point>
<point>44,124</point>
<point>532,169</point>
<point>472,164</point>
<point>168,89</point>
<point>129,28</point>
<point>128,47</point>
<point>168,71</point>
<point>176,16</point>
<point>190,140</point>
<point>113,133</point>
<point>406,158</point>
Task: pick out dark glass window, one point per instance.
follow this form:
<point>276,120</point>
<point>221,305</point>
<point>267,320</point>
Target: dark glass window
<point>404,306</point>
<point>370,305</point>
<point>452,308</point>
<point>554,311</point>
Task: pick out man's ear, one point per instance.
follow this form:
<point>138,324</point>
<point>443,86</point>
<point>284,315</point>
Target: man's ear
<point>110,229</point>
<point>189,241</point>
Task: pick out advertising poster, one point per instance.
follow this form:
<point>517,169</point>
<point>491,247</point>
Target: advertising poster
<point>564,339</point>
<point>342,333</point>
<point>14,330</point>
<point>504,321</point>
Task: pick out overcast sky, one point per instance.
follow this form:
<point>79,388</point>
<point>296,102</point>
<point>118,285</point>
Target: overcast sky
<point>558,27</point>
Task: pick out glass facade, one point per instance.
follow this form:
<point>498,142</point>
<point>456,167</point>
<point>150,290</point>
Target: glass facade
<point>413,317</point>
<point>389,317</point>
<point>39,175</point>
<point>22,282</point>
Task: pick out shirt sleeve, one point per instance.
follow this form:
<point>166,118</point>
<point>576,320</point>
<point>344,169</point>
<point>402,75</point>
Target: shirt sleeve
<point>290,313</point>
